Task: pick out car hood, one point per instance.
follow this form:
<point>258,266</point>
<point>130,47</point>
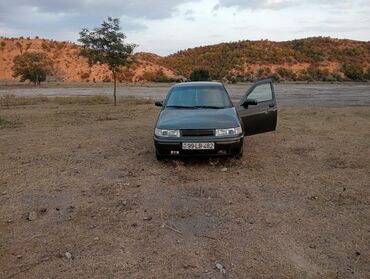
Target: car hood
<point>198,119</point>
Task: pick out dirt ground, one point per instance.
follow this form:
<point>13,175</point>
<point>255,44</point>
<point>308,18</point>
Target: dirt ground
<point>82,196</point>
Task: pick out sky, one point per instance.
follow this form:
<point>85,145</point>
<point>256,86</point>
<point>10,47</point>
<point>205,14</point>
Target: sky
<point>164,27</point>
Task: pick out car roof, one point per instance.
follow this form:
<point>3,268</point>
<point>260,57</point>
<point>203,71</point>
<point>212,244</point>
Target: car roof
<point>198,83</point>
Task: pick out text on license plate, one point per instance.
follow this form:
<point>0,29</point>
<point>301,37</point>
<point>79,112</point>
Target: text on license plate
<point>198,145</point>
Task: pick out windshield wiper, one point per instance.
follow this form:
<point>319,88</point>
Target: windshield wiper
<point>210,107</point>
<point>180,107</point>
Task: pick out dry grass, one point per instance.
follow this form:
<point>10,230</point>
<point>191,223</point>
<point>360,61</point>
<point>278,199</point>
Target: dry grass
<point>11,100</point>
<point>86,100</point>
<point>295,206</point>
<point>131,100</point>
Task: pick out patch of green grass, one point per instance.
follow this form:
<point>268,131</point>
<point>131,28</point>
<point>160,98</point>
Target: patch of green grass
<point>3,121</point>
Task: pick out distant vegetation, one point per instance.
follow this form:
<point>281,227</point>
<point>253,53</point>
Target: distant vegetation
<point>311,59</point>
<point>156,76</point>
<point>32,66</point>
<point>319,58</point>
<point>199,75</point>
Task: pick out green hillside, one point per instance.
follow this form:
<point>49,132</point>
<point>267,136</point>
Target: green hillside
<point>317,58</point>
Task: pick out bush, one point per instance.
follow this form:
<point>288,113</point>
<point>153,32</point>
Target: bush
<point>124,74</point>
<point>231,79</point>
<point>164,78</point>
<point>315,73</point>
<point>148,76</point>
<point>85,75</point>
<point>18,45</point>
<point>367,76</point>
<point>32,66</point>
<point>157,76</point>
<point>263,73</point>
<point>325,75</point>
<point>45,46</point>
<point>337,77</point>
<point>275,77</point>
<point>107,79</point>
<point>199,75</point>
<point>353,71</point>
<point>285,74</point>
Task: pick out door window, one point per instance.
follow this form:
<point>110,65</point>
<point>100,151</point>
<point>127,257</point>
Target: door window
<point>261,93</point>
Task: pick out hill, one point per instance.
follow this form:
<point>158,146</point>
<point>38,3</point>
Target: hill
<point>317,58</point>
<point>69,66</point>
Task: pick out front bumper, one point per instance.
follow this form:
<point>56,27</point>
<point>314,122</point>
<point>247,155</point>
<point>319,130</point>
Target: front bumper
<point>223,146</point>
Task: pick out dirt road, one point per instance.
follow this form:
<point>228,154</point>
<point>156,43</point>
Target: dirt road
<point>294,94</point>
<point>82,196</point>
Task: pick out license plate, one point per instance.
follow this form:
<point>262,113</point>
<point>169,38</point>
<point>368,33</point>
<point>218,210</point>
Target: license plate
<point>198,145</point>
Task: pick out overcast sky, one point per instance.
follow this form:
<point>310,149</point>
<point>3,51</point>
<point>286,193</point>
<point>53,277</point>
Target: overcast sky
<point>164,27</point>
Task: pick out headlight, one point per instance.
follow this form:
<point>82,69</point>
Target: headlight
<point>167,133</point>
<point>228,132</point>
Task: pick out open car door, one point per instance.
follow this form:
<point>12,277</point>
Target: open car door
<point>257,109</point>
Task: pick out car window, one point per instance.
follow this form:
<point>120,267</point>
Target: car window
<point>261,93</point>
<point>199,96</point>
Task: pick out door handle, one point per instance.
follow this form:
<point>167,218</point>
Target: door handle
<point>271,108</point>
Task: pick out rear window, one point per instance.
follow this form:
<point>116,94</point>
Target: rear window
<point>199,96</point>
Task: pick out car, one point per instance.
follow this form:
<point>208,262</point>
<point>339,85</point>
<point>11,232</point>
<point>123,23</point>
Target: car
<point>199,119</point>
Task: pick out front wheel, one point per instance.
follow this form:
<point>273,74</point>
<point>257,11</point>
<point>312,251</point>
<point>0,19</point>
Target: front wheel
<point>239,154</point>
<point>159,157</point>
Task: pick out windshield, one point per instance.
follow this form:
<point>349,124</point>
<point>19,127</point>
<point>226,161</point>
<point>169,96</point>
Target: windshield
<point>198,97</point>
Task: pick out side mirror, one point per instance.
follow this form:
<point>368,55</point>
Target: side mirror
<point>249,101</point>
<point>159,103</point>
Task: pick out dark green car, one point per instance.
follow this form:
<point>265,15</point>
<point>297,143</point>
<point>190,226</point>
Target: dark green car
<point>198,118</point>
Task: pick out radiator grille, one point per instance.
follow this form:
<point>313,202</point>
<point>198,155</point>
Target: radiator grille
<point>190,133</point>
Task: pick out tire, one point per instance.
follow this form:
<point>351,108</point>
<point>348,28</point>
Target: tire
<point>159,157</point>
<point>239,155</point>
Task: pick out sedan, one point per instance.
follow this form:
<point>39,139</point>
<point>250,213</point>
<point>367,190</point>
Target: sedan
<point>198,118</point>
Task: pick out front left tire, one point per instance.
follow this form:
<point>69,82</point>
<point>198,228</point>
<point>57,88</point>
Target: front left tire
<point>158,156</point>
<point>239,154</point>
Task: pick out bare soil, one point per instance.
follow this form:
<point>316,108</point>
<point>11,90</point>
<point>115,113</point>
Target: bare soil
<point>297,205</point>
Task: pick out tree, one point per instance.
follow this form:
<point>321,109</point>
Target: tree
<point>105,45</point>
<point>199,75</point>
<point>32,66</point>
